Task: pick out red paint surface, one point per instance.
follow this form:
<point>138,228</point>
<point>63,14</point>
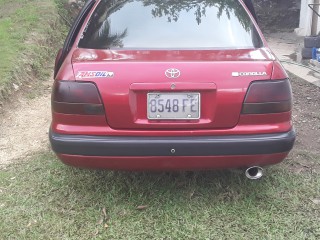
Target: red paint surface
<point>172,163</point>
<point>97,125</point>
<point>137,72</point>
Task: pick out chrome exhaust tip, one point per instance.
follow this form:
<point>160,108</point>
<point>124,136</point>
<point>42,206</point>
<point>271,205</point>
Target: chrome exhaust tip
<point>254,173</point>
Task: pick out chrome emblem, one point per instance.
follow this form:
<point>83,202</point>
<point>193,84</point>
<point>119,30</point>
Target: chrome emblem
<point>242,74</point>
<point>173,73</point>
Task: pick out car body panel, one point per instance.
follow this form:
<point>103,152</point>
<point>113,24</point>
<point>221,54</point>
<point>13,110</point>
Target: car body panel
<point>124,94</point>
<point>151,55</point>
<point>96,125</point>
<point>126,76</point>
<point>157,163</point>
<point>172,146</point>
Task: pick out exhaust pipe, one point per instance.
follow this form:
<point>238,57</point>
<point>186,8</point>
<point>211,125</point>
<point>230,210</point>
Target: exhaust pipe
<point>254,173</point>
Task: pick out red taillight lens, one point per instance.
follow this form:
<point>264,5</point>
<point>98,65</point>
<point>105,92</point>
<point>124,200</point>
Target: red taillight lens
<point>76,98</point>
<point>268,97</point>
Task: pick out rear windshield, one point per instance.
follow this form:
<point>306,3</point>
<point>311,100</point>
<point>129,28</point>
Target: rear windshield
<point>170,24</point>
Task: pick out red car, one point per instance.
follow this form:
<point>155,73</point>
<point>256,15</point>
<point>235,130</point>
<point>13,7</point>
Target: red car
<point>165,85</point>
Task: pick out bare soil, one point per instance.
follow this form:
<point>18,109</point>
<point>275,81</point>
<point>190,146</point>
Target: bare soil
<point>24,125</point>
<point>306,118</point>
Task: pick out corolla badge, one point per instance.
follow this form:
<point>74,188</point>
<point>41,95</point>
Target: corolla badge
<point>243,74</point>
<point>173,73</point>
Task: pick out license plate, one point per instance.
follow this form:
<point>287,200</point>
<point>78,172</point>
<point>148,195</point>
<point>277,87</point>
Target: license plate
<point>173,106</point>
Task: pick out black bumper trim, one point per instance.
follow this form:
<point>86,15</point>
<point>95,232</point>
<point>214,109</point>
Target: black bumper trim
<point>172,146</point>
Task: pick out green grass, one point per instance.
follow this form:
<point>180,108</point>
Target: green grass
<point>29,34</point>
<point>44,199</point>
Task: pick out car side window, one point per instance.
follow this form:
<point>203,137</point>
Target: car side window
<point>74,30</point>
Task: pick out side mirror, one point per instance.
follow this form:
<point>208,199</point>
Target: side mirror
<point>57,63</point>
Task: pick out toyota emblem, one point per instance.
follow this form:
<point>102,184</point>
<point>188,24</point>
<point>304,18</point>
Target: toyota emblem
<point>173,73</point>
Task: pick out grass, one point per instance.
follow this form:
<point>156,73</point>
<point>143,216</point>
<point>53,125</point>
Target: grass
<point>43,198</point>
<point>29,34</point>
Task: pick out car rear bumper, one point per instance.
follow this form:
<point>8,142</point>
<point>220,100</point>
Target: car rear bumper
<point>158,163</point>
<point>267,148</point>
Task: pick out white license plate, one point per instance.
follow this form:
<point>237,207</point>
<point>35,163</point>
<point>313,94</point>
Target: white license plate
<point>173,106</point>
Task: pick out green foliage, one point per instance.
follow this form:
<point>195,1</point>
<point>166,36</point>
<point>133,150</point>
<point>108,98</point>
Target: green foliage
<point>172,9</point>
<point>29,34</point>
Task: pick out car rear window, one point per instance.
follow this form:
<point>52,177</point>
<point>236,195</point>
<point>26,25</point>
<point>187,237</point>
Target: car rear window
<point>170,24</point>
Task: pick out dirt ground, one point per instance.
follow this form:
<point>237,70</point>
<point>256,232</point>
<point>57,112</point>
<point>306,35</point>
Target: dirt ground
<point>306,119</point>
<point>24,125</point>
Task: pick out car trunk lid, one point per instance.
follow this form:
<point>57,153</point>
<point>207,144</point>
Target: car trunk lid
<point>126,78</point>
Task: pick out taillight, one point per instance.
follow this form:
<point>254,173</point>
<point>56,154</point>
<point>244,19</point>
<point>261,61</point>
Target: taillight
<point>76,98</point>
<point>268,97</point>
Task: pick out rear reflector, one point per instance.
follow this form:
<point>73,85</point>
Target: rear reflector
<point>268,97</point>
<point>76,98</point>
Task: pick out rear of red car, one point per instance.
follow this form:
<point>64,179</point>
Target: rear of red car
<point>169,85</point>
